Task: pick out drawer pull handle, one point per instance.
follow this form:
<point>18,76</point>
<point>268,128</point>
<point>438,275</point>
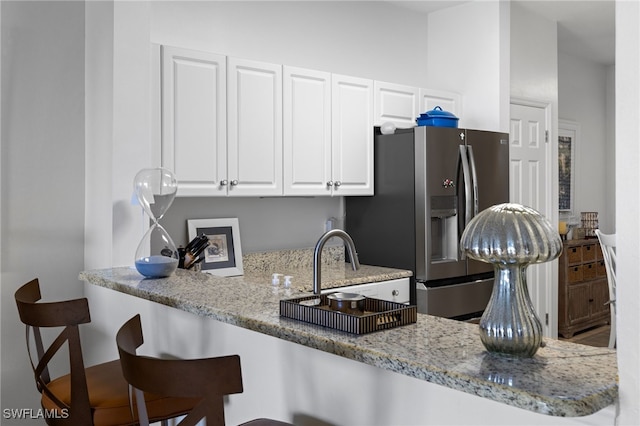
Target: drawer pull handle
<point>395,293</point>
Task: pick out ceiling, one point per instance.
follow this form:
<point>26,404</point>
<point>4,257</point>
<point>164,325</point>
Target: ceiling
<point>586,28</point>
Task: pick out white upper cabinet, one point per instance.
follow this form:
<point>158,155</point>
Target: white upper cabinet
<point>255,128</point>
<point>448,101</point>
<point>395,103</point>
<point>352,135</point>
<point>328,134</point>
<point>237,127</point>
<point>307,131</point>
<point>194,136</point>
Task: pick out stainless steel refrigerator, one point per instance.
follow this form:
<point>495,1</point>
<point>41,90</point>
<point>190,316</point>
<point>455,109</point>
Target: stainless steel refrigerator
<point>429,183</point>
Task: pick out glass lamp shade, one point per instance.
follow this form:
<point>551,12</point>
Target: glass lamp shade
<point>156,255</point>
<point>511,237</point>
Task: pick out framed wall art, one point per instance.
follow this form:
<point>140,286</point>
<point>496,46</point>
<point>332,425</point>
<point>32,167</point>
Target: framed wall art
<point>568,134</point>
<point>223,256</point>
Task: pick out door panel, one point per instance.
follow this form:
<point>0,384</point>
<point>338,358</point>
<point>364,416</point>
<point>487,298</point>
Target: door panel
<point>395,103</point>
<point>352,135</point>
<point>307,131</point>
<point>255,128</point>
<point>530,175</point>
<point>437,162</point>
<point>491,155</point>
<point>194,132</point>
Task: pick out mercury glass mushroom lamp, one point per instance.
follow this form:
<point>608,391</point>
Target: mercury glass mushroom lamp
<point>511,237</point>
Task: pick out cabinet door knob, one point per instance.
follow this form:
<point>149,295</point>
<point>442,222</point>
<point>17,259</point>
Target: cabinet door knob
<point>330,183</point>
<point>234,182</point>
<point>223,182</point>
<point>395,293</point>
<point>337,183</point>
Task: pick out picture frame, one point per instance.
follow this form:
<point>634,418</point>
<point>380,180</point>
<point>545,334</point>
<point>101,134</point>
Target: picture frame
<point>223,257</point>
<point>568,137</point>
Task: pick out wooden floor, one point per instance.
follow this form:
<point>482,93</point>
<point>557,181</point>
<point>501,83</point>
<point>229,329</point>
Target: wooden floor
<point>598,336</point>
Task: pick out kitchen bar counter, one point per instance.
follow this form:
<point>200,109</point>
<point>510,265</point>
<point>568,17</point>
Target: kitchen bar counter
<point>563,379</point>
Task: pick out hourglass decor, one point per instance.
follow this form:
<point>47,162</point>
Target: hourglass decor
<point>156,255</point>
<point>511,237</point>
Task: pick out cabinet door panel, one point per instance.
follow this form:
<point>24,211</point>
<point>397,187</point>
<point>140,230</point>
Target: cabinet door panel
<point>448,101</point>
<point>579,302</point>
<point>352,130</point>
<point>395,103</point>
<point>600,297</point>
<point>194,119</point>
<point>255,128</point>
<point>307,131</point>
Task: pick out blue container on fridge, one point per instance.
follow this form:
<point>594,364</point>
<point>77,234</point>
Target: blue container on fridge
<point>437,117</point>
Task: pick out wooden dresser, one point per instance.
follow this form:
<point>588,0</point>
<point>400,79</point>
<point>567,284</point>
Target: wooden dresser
<point>582,287</point>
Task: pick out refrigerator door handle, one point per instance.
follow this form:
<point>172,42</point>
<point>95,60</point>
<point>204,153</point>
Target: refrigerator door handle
<point>467,184</point>
<point>474,178</point>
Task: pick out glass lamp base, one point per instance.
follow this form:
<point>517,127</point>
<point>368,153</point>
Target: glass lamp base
<point>509,324</point>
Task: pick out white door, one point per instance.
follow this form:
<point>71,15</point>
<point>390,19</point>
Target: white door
<point>255,128</point>
<point>307,131</point>
<point>352,135</point>
<point>531,184</point>
<point>194,121</point>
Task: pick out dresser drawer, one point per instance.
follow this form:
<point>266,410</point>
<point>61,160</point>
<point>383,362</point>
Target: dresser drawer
<point>574,274</point>
<point>589,271</point>
<point>601,270</point>
<point>574,254</point>
<point>589,252</point>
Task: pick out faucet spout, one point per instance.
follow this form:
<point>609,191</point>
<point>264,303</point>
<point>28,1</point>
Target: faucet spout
<point>317,255</point>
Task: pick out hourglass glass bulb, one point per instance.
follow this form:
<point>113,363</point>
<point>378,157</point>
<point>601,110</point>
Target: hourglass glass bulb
<point>156,255</point>
<point>156,189</point>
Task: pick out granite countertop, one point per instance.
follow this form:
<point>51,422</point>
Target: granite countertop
<point>562,379</point>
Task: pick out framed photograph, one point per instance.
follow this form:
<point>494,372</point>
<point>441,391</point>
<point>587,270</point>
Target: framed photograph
<point>568,134</point>
<point>223,256</point>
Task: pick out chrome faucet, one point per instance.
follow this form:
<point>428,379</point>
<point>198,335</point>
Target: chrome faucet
<point>317,255</point>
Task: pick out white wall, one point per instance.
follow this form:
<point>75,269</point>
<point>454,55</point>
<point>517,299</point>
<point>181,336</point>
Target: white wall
<point>468,50</point>
<point>98,134</point>
<point>609,208</point>
<point>366,39</point>
<point>628,198</point>
<point>42,169</point>
<point>534,78</point>
<point>582,97</point>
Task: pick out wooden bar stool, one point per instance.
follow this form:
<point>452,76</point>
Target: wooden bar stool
<point>208,379</point>
<point>97,395</point>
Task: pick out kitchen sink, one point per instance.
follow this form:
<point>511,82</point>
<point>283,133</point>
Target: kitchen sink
<point>378,314</point>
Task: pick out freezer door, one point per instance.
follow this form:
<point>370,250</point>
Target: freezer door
<point>491,158</point>
<point>437,187</point>
<point>454,301</point>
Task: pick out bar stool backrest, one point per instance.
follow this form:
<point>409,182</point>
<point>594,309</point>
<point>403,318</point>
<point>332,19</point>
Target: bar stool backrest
<point>608,245</point>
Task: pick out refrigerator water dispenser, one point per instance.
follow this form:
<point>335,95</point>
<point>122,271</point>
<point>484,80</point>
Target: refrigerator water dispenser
<point>444,228</point>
